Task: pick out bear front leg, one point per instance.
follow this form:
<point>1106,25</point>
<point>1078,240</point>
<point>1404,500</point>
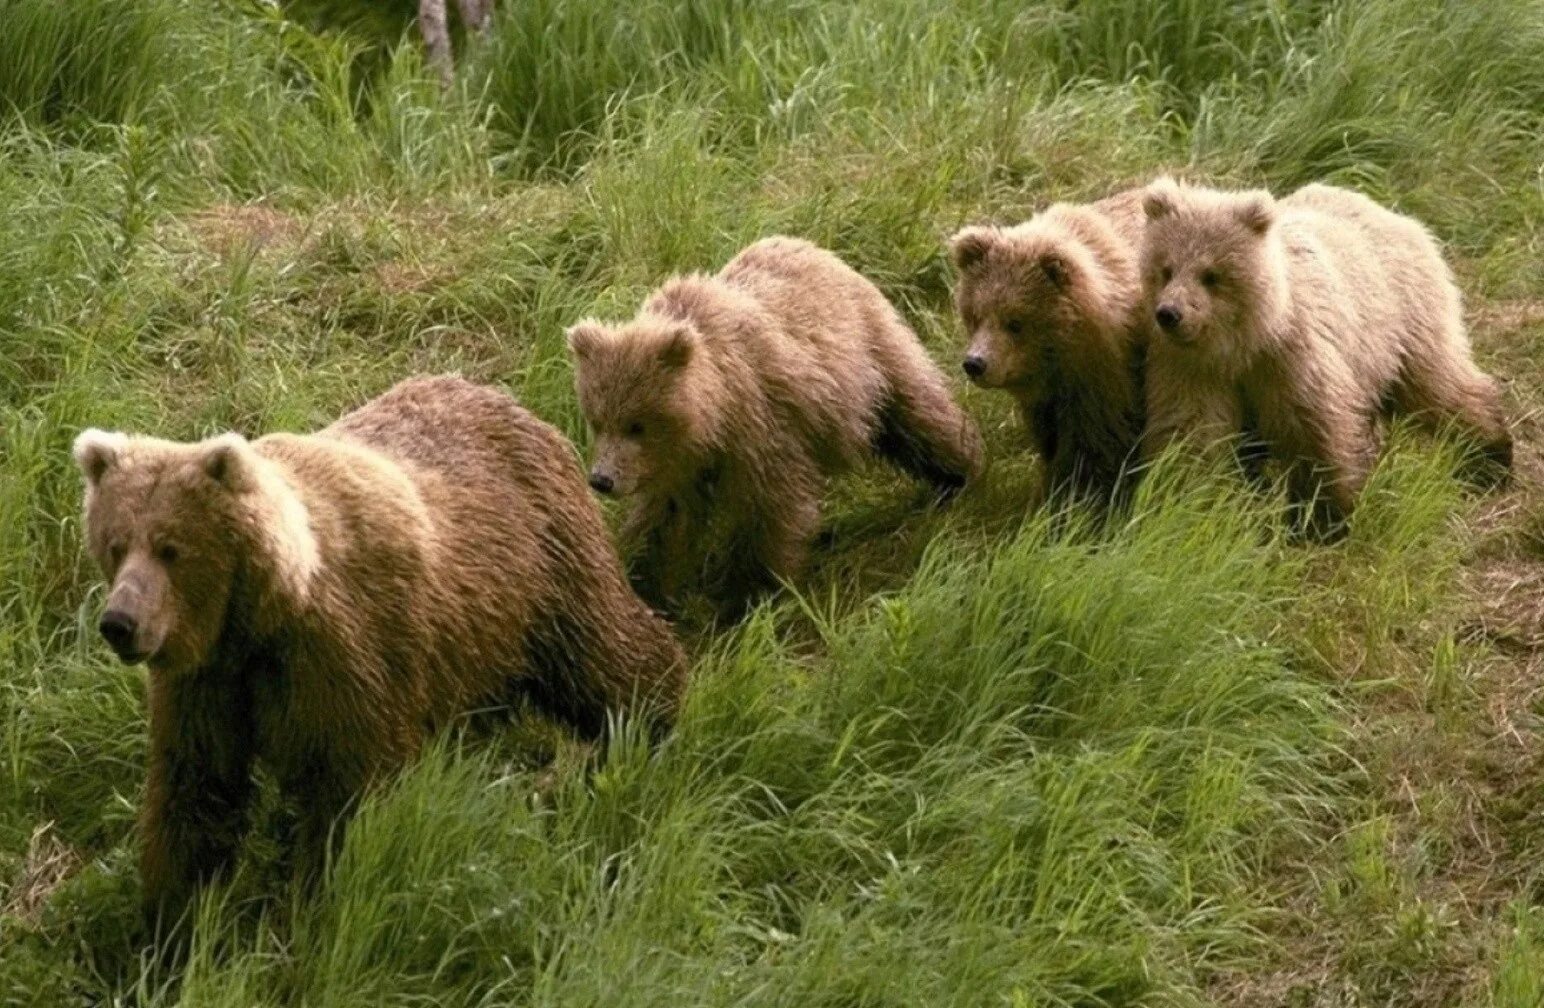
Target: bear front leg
<point>197,793</point>
<point>1039,419</point>
<point>1183,405</point>
<point>663,538</point>
<point>1323,445</point>
<point>326,798</point>
<point>772,541</point>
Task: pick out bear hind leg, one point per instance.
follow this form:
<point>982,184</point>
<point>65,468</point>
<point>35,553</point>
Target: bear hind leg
<point>557,680</point>
<point>1463,395</point>
<point>924,432</point>
<point>583,668</point>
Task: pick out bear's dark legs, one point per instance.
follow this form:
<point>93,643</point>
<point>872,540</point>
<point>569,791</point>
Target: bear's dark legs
<point>771,543</point>
<point>923,431</point>
<point>199,788</point>
<point>558,654</point>
<point>584,666</point>
<point>327,799</point>
<point>664,541</point>
<point>1323,455</point>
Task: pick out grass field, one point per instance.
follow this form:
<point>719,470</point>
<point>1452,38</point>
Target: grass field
<point>1176,761</point>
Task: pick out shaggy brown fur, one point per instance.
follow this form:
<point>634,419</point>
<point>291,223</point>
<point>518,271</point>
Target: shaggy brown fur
<point>1050,306</point>
<point>730,398</point>
<point>1305,318</point>
<point>323,602</point>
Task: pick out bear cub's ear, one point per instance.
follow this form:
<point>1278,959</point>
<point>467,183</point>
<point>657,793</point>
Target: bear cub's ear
<point>676,350</point>
<point>585,337</point>
<point>1056,267</point>
<point>96,450</point>
<point>228,461</point>
<point>1161,198</point>
<point>969,246</point>
<point>1256,210</point>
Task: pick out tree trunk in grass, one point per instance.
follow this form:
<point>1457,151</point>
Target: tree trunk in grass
<point>476,14</point>
<point>433,23</point>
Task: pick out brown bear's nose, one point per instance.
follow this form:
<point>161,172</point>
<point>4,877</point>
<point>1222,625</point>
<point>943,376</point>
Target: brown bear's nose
<point>118,629</point>
<point>974,366</point>
<point>1168,316</point>
<point>601,483</point>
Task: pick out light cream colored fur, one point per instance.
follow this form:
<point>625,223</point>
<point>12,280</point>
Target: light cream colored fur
<point>1303,319</point>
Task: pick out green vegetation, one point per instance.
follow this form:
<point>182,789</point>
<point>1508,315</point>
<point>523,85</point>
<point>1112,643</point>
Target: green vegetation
<point>981,758</point>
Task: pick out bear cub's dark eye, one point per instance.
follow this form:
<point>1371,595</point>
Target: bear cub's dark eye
<point>635,429</point>
<point>1014,327</point>
<point>1166,273</point>
<point>167,553</point>
<point>1209,278</point>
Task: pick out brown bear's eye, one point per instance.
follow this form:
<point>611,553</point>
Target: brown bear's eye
<point>115,554</point>
<point>167,554</point>
<point>1209,278</point>
<point>1166,273</point>
<point>1014,327</point>
<point>635,429</point>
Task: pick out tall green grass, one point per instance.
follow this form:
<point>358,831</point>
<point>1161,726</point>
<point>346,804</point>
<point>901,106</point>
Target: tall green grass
<point>981,758</point>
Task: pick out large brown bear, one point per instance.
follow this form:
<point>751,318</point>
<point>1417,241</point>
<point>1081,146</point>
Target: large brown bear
<point>1050,307</point>
<point>1304,319</point>
<point>730,398</point>
<point>321,603</point>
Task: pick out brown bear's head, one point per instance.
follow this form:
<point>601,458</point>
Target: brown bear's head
<point>1023,293</point>
<point>631,382</point>
<point>174,527</point>
<point>1209,266</point>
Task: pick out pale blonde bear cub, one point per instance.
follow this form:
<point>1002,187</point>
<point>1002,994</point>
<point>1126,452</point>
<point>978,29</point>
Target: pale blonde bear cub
<point>1303,320</point>
<point>1050,307</point>
<point>723,406</point>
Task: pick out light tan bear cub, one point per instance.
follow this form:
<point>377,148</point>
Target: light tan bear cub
<point>1304,319</point>
<point>320,603</point>
<point>728,400</point>
<point>1050,306</point>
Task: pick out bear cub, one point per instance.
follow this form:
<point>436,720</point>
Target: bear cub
<point>1304,319</point>
<point>729,399</point>
<point>321,603</point>
<point>1050,307</point>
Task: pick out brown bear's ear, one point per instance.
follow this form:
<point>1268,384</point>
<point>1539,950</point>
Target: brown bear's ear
<point>1161,198</point>
<point>585,337</point>
<point>96,450</point>
<point>677,349</point>
<point>1056,267</point>
<point>1256,210</point>
<point>969,246</point>
<point>228,461</point>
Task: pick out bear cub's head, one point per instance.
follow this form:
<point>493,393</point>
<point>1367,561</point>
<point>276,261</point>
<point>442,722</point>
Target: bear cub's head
<point>1207,263</point>
<point>1021,290</point>
<point>171,526</point>
<point>632,383</point>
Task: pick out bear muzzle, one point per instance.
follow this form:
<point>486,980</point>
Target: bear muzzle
<point>121,631</point>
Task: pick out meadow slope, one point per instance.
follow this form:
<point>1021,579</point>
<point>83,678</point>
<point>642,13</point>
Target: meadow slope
<point>1179,760</point>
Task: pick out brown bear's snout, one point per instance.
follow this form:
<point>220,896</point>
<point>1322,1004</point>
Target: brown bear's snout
<point>119,629</point>
<point>1169,317</point>
<point>601,483</point>
<point>974,365</point>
